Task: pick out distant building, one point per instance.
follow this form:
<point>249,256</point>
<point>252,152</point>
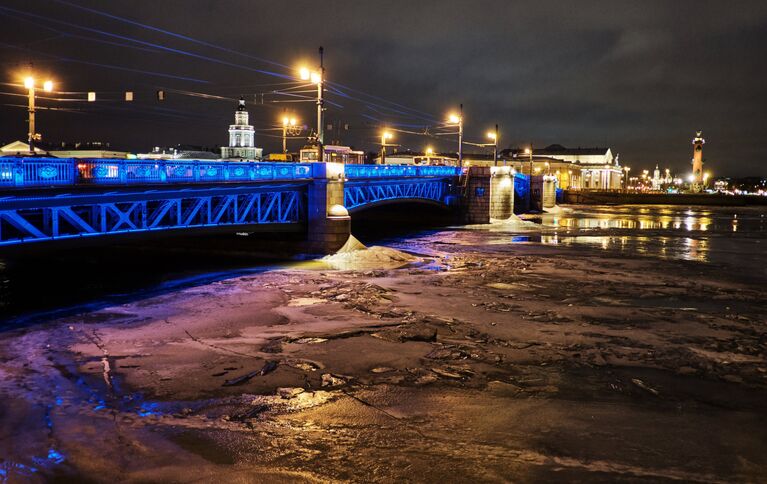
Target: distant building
<point>600,169</point>
<point>594,168</point>
<point>180,152</point>
<point>18,148</point>
<point>76,150</point>
<point>242,141</point>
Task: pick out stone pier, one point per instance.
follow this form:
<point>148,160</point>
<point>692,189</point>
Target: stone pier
<point>489,194</point>
<point>549,191</point>
<point>329,224</point>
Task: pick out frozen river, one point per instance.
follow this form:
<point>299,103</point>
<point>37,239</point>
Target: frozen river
<point>610,344</point>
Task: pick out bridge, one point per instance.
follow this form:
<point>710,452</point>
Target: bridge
<point>52,199</point>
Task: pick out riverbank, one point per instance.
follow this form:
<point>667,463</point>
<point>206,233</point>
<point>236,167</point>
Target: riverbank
<point>483,360</point>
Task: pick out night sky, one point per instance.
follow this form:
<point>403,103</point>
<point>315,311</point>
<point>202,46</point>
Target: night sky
<point>639,77</point>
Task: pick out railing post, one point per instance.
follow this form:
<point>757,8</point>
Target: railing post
<point>163,168</point>
<point>18,172</point>
<point>196,170</point>
<point>122,171</point>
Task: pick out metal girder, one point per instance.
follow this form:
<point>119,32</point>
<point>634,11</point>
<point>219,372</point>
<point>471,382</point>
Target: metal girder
<point>174,210</point>
<point>357,194</point>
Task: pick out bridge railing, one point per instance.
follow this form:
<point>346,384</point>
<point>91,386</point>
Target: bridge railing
<point>386,171</point>
<point>35,172</point>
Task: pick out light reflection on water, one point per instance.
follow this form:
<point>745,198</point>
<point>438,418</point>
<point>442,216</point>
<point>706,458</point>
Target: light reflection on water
<point>734,236</point>
<point>662,247</point>
<point>717,219</point>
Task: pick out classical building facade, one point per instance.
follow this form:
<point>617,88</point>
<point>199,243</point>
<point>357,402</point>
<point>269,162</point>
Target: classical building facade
<point>600,170</point>
<point>242,137</point>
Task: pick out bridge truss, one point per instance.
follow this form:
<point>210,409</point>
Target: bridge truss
<point>368,192</point>
<point>66,216</point>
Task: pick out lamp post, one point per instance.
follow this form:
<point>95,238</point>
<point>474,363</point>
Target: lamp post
<point>317,77</point>
<point>458,119</point>
<point>286,123</point>
<point>384,136</point>
<point>29,84</point>
<point>626,178</point>
<point>493,135</point>
<point>529,151</point>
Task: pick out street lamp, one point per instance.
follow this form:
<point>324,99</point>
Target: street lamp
<point>429,154</point>
<point>493,135</point>
<point>317,77</point>
<point>626,178</point>
<point>29,84</point>
<point>384,136</point>
<point>287,123</point>
<point>458,119</point>
<point>529,152</point>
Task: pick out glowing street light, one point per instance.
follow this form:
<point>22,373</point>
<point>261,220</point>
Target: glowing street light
<point>286,124</point>
<point>626,178</point>
<point>29,85</point>
<point>454,118</point>
<point>493,135</point>
<point>317,77</point>
<point>429,152</point>
<point>386,135</point>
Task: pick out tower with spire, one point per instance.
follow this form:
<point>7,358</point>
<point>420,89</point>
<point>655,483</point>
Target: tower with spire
<point>697,161</point>
<point>242,137</point>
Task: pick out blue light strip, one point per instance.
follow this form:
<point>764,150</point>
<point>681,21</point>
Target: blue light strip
<point>36,172</point>
<point>385,171</point>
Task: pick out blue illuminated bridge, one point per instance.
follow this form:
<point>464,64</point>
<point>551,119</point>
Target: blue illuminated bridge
<point>48,199</point>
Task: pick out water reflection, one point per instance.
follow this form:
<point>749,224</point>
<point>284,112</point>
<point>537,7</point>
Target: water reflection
<point>658,218</point>
<point>730,235</point>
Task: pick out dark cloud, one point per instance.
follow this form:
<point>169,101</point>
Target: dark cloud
<point>639,77</point>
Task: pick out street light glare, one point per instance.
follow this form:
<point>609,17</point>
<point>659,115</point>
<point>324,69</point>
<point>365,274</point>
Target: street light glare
<point>454,118</point>
<point>48,86</point>
<point>292,121</point>
<point>316,78</point>
<point>29,82</point>
<point>528,151</point>
<point>491,135</point>
<point>285,121</point>
<point>429,151</point>
<point>387,135</point>
<point>304,73</point>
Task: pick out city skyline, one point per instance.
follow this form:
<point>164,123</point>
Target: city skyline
<point>638,80</point>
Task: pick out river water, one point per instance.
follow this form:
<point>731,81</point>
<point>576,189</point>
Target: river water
<point>45,284</point>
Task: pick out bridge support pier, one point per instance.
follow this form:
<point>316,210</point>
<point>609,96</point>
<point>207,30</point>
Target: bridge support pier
<point>489,194</point>
<point>329,224</point>
<point>549,191</point>
<point>501,192</point>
